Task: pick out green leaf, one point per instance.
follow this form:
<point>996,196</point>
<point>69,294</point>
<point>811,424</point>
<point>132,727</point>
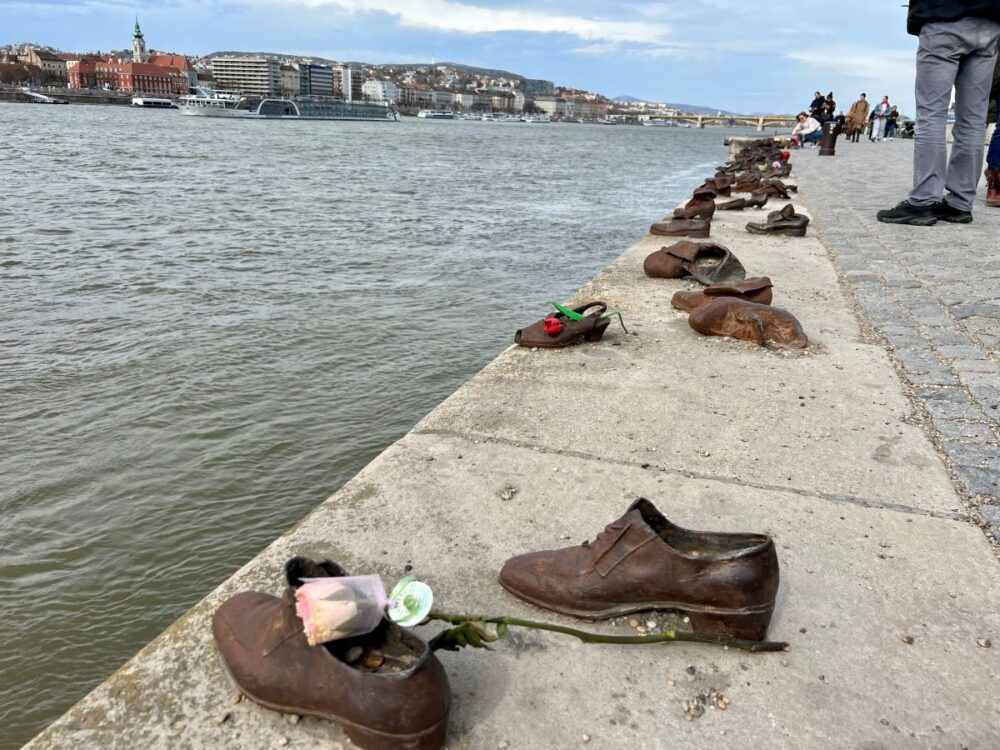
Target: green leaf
<point>471,633</point>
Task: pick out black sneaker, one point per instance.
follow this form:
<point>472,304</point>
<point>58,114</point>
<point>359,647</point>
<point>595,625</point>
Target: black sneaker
<point>907,213</point>
<point>947,212</point>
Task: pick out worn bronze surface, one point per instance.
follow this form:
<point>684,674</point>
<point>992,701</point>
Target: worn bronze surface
<point>736,318</point>
<point>756,289</point>
<point>403,703</point>
<point>590,329</point>
<point>725,582</point>
<point>682,228</point>
<point>784,222</point>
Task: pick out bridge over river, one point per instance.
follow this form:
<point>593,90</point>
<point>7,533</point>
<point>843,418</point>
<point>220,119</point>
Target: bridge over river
<point>761,121</point>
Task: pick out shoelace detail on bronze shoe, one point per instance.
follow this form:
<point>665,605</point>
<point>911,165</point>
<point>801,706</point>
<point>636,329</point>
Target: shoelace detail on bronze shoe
<point>608,535</point>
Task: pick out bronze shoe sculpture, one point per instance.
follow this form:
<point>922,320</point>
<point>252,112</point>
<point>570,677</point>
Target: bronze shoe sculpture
<point>682,228</point>
<point>785,222</point>
<point>776,188</point>
<point>747,185</point>
<point>756,289</point>
<point>402,702</point>
<point>560,330</point>
<point>707,262</point>
<point>762,324</point>
<point>696,208</point>
<point>726,583</point>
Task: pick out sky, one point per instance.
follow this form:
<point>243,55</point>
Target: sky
<point>730,54</point>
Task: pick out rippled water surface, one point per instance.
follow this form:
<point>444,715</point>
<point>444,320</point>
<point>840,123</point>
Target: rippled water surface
<point>206,327</point>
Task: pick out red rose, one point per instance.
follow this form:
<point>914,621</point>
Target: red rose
<point>785,155</point>
<point>552,326</point>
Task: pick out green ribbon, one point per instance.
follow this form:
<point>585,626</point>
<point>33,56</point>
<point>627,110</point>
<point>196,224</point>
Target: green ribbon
<point>574,315</point>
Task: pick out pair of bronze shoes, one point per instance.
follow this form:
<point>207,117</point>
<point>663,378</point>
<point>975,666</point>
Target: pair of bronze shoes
<point>784,222</point>
<point>742,310</point>
<point>726,583</point>
<point>707,262</point>
<point>399,699</point>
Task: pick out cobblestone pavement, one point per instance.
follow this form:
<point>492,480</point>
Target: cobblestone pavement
<point>933,293</point>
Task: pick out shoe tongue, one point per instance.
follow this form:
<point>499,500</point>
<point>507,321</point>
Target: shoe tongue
<point>788,212</point>
<point>649,514</point>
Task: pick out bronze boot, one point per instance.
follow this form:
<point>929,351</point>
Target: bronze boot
<point>726,583</point>
<point>993,187</point>
<point>400,704</point>
<point>756,289</point>
<point>785,222</point>
<point>696,208</point>
<point>762,324</point>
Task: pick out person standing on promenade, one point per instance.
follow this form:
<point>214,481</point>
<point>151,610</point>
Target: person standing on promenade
<point>958,49</point>
<point>993,154</point>
<point>816,108</point>
<point>857,118</point>
<point>829,109</point>
<point>880,112</point>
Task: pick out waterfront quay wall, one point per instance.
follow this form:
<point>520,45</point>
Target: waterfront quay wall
<point>885,584</point>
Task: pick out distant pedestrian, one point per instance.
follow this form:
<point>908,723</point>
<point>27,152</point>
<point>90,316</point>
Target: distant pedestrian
<point>880,113</point>
<point>958,49</point>
<point>993,154</point>
<point>808,130</point>
<point>857,118</point>
<point>829,108</point>
<point>816,108</point>
<point>891,123</point>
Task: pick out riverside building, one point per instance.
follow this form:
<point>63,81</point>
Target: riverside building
<point>380,91</point>
<point>257,76</point>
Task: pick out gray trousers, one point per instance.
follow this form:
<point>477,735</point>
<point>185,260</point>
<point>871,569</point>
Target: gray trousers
<point>959,54</point>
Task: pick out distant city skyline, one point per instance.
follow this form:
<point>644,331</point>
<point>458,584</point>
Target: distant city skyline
<point>718,53</point>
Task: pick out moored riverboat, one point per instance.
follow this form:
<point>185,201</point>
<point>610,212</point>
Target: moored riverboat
<point>304,108</point>
<point>152,102</point>
<point>436,114</point>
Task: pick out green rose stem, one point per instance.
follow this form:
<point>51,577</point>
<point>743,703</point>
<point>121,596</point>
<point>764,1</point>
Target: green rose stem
<point>472,624</point>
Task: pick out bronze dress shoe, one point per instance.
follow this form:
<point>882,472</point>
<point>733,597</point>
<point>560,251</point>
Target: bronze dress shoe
<point>774,187</point>
<point>682,228</point>
<point>402,704</point>
<point>756,289</point>
<point>785,222</point>
<point>696,208</point>
<point>726,583</point>
<point>762,324</point>
<point>707,262</point>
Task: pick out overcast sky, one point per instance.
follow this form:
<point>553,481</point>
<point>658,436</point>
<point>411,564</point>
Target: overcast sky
<point>732,54</point>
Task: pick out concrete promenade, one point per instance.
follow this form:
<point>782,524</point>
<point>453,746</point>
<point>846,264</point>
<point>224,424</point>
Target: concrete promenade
<point>890,587</point>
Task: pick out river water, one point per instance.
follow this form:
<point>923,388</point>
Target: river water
<point>206,327</point>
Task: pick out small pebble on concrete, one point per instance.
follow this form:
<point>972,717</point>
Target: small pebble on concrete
<point>985,642</point>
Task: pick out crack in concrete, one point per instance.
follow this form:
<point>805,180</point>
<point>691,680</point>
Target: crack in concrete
<point>831,497</point>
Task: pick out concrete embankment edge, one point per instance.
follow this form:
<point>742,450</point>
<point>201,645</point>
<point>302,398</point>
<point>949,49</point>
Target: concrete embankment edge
<point>816,449</point>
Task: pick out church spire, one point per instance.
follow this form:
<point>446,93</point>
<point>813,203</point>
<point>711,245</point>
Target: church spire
<point>139,54</point>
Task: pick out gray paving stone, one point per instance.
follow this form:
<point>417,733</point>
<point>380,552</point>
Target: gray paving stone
<point>952,409</point>
<point>979,481</point>
<point>963,352</point>
<point>952,429</point>
<point>968,311</point>
<point>992,515</point>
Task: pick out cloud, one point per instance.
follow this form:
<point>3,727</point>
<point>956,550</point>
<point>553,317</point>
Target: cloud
<point>463,18</point>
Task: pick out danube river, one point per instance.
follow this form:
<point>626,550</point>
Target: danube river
<point>206,327</point>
